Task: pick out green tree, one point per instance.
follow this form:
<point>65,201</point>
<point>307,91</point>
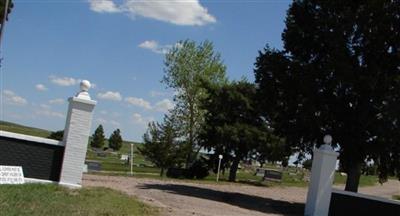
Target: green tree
<point>57,135</point>
<point>275,149</point>
<point>186,66</point>
<point>338,74</point>
<point>98,138</point>
<point>115,140</point>
<point>161,144</point>
<point>307,164</point>
<point>233,126</point>
<point>2,9</point>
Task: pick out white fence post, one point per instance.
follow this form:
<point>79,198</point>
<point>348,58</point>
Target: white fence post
<point>322,175</point>
<point>76,135</point>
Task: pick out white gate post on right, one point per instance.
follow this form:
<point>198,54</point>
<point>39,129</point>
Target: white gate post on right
<point>322,175</point>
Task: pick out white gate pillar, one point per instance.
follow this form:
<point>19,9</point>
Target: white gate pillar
<point>322,175</point>
<point>76,135</point>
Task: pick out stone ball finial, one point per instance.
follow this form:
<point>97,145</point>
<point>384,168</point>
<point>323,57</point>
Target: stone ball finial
<point>327,139</point>
<point>85,85</point>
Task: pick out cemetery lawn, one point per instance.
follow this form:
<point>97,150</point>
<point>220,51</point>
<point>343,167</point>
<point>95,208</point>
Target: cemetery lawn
<point>51,199</point>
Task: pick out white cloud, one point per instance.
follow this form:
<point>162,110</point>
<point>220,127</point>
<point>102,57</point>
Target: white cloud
<point>158,93</point>
<point>103,112</point>
<point>63,81</point>
<point>115,123</point>
<point>57,101</point>
<point>178,12</point>
<point>13,99</point>
<point>109,95</point>
<point>140,120</point>
<point>49,113</point>
<point>44,106</point>
<point>103,6</point>
<point>101,121</point>
<point>140,102</point>
<point>108,122</point>
<point>41,87</point>
<point>164,105</point>
<point>153,46</point>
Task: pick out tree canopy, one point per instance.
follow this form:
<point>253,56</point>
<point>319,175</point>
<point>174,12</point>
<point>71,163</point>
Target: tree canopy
<point>2,9</point>
<point>57,135</point>
<point>98,138</point>
<point>338,74</point>
<point>233,126</point>
<point>162,145</point>
<point>187,65</point>
<point>115,140</point>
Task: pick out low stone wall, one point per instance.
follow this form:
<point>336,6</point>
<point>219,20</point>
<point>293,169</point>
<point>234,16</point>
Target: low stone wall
<point>40,158</point>
<point>349,203</point>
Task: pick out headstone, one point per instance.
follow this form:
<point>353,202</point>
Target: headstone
<point>11,175</point>
<point>93,165</point>
<point>124,157</point>
<point>273,175</point>
<point>101,154</point>
<point>260,172</point>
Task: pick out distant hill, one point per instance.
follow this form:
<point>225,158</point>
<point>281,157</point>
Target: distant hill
<point>22,129</point>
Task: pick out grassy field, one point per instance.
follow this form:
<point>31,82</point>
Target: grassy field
<point>17,128</point>
<point>112,165</point>
<point>396,197</point>
<point>49,199</point>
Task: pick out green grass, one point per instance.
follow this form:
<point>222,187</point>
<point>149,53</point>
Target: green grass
<point>50,199</point>
<point>364,180</point>
<point>17,128</point>
<point>396,197</point>
<point>112,164</point>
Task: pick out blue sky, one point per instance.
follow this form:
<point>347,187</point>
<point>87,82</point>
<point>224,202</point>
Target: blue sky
<point>119,45</point>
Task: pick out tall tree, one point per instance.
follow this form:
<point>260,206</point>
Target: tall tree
<point>273,150</point>
<point>98,138</point>
<point>115,140</point>
<point>2,9</point>
<point>161,144</point>
<point>233,126</point>
<point>339,74</point>
<point>57,135</point>
<point>186,66</point>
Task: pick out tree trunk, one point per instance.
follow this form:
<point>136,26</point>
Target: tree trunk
<point>162,172</point>
<point>191,136</point>
<point>233,169</point>
<point>353,176</point>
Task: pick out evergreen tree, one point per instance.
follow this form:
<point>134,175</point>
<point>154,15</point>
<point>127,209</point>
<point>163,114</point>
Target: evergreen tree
<point>98,138</point>
<point>115,140</point>
<point>161,144</point>
<point>338,74</point>
<point>57,135</point>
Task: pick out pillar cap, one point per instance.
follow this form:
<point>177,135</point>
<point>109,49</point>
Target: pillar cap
<point>84,88</point>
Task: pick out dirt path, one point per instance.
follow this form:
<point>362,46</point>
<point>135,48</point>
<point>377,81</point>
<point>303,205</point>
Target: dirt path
<point>181,198</point>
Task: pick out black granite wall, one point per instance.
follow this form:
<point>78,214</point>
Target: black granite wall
<point>342,204</point>
<point>38,160</point>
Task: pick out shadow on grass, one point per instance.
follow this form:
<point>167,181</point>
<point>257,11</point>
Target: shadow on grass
<point>255,203</point>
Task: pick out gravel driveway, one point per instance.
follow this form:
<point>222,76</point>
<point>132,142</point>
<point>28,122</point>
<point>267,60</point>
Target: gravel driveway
<point>180,198</point>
